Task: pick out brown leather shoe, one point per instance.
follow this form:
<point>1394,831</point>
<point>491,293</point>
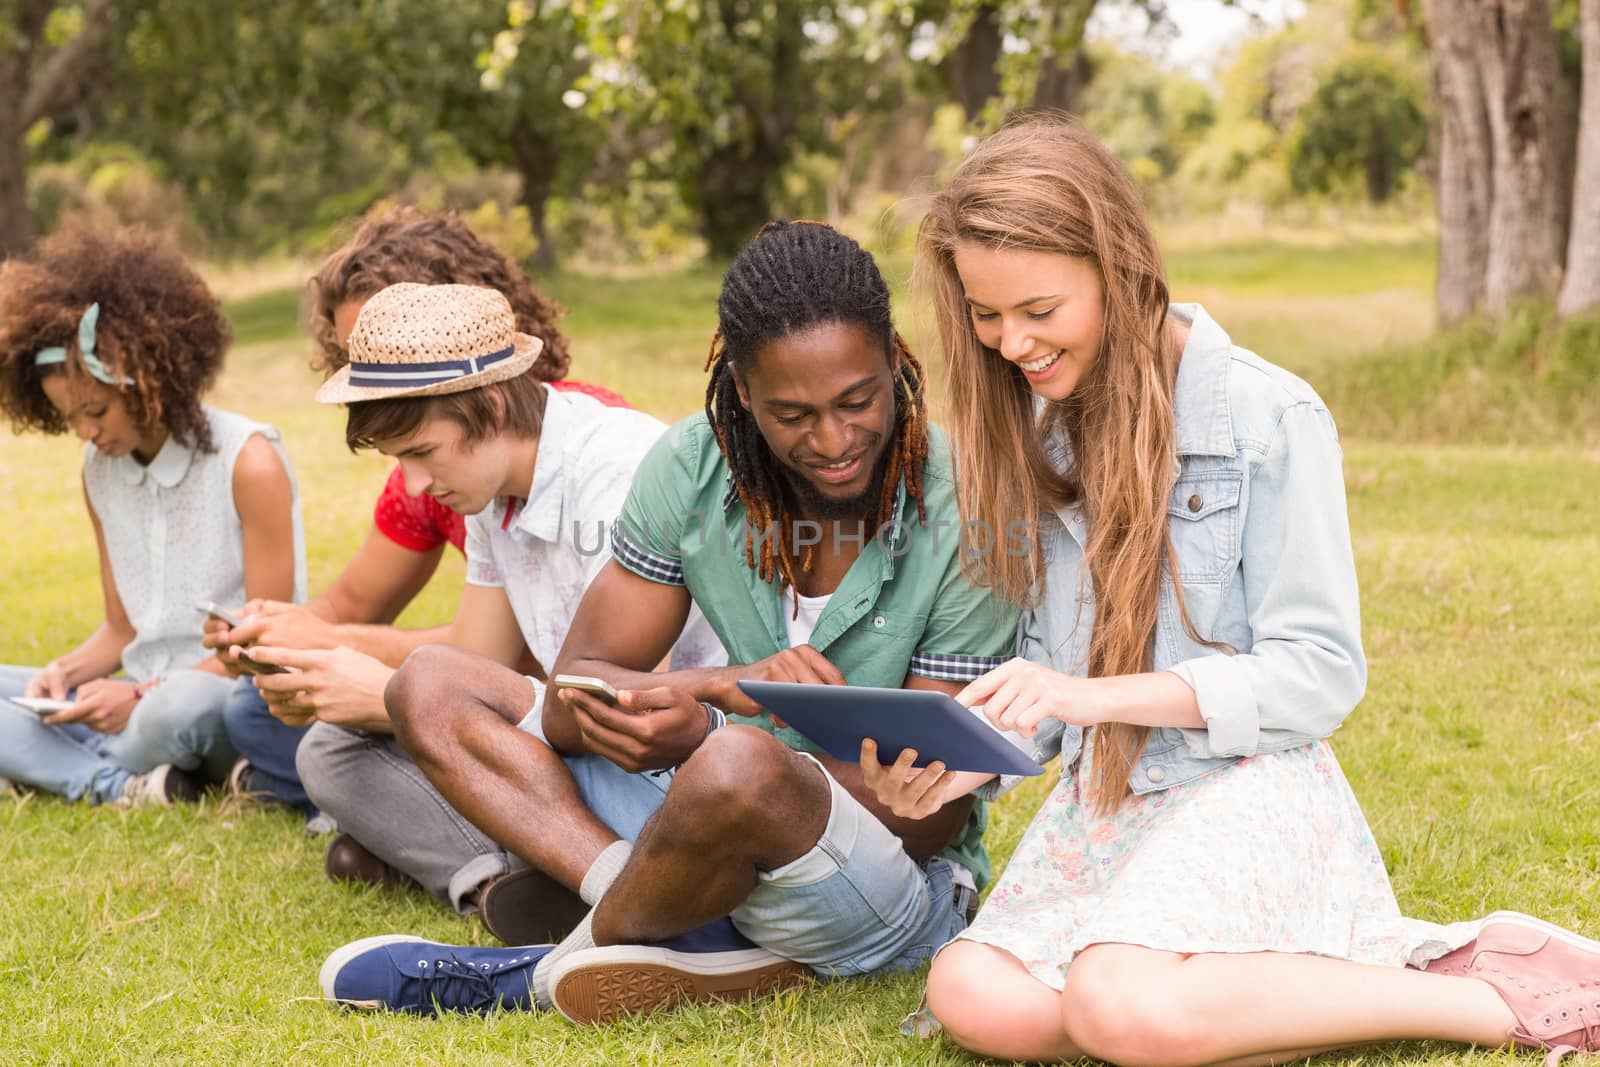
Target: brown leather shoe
<point>349,861</point>
<point>1548,977</point>
<point>528,907</point>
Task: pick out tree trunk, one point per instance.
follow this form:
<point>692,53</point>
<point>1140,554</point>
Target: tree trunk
<point>974,76</point>
<point>1517,56</point>
<point>16,228</point>
<point>538,159</point>
<point>732,189</point>
<point>32,90</point>
<point>1581,287</point>
<point>1061,83</point>
<point>1466,162</point>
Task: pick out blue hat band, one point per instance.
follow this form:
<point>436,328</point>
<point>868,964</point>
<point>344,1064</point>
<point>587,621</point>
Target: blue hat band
<point>412,375</point>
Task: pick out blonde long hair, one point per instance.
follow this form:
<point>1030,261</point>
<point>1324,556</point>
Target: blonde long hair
<point>1044,185</point>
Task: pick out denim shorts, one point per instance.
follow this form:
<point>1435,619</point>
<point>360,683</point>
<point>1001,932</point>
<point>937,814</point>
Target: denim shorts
<point>854,905</point>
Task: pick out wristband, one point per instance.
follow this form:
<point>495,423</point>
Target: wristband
<point>140,689</point>
<point>716,719</point>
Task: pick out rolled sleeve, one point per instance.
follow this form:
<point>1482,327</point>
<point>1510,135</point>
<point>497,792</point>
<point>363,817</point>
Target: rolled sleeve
<point>646,538</point>
<point>1304,670</point>
<point>1227,703</point>
<point>969,633</point>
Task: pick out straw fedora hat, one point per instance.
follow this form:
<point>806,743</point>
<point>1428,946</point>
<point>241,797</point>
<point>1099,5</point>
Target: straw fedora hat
<point>424,340</point>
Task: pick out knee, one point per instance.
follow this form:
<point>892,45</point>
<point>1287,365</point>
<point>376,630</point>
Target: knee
<point>418,695</point>
<point>1120,1009</point>
<point>317,761</point>
<point>184,700</point>
<point>244,709</point>
<point>962,996</point>
<point>736,771</point>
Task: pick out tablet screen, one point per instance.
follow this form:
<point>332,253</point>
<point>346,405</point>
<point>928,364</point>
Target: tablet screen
<point>836,718</point>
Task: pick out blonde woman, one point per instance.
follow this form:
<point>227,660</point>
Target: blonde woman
<point>1201,886</point>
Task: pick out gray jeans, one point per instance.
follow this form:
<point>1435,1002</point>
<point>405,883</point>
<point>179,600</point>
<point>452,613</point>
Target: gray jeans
<point>382,799</point>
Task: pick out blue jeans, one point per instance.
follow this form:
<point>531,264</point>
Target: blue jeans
<point>854,905</point>
<point>178,722</point>
<point>269,745</point>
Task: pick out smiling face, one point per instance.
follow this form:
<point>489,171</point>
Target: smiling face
<point>1041,311</point>
<point>98,414</point>
<point>823,400</point>
<point>437,460</point>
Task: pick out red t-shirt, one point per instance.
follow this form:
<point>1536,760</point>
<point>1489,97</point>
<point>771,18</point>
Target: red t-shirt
<point>421,523</point>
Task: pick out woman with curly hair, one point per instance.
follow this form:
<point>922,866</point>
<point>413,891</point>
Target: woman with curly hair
<point>116,339</point>
<point>408,534</point>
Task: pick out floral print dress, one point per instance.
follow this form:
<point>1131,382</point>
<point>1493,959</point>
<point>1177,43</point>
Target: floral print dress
<point>1268,854</point>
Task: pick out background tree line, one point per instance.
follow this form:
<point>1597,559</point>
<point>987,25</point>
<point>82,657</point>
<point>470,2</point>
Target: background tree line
<point>636,129</point>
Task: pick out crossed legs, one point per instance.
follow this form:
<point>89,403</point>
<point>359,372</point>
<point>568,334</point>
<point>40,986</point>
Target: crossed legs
<point>1132,1005</point>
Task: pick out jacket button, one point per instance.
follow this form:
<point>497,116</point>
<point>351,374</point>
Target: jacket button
<point>1195,502</point>
<point>880,622</point>
<point>1156,774</point>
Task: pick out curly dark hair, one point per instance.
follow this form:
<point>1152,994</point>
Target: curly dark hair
<point>793,277</point>
<point>160,327</point>
<point>407,244</point>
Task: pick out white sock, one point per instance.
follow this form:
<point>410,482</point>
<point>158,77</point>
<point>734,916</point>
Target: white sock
<point>596,881</point>
<point>603,872</point>
<point>580,938</point>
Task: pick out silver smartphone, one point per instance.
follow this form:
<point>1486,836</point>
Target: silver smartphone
<point>583,683</point>
<point>217,611</point>
<point>43,705</point>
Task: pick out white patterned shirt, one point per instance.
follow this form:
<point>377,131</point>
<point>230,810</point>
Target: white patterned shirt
<point>545,555</point>
<point>174,539</point>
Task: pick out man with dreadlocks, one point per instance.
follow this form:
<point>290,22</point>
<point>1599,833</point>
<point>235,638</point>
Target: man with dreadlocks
<point>801,513</point>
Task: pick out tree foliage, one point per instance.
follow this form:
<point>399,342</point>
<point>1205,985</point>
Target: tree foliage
<point>1365,122</point>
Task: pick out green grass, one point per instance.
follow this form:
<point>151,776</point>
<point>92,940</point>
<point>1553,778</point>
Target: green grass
<point>194,936</point>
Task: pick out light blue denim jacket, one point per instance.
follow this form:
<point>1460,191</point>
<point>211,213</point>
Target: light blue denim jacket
<point>1263,546</point>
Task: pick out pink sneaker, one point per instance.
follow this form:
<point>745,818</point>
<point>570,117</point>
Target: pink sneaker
<point>1548,977</point>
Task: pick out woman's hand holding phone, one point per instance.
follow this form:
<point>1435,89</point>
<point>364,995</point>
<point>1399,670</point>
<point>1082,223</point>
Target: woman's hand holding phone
<point>102,705</point>
<point>50,682</point>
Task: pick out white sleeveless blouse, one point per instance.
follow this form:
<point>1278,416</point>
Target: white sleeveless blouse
<point>174,539</point>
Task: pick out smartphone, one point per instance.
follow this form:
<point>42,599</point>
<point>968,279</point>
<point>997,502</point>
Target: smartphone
<point>595,687</point>
<point>42,705</point>
<point>250,666</point>
<point>217,611</point>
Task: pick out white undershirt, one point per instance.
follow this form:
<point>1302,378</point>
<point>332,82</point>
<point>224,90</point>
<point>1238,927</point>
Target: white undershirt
<point>801,627</point>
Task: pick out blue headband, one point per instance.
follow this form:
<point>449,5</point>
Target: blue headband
<point>91,362</point>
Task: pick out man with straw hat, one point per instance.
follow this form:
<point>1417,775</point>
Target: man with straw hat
<point>801,512</point>
<point>438,378</point>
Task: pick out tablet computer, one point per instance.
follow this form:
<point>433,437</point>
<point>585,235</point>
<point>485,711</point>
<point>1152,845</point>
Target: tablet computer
<point>837,718</point>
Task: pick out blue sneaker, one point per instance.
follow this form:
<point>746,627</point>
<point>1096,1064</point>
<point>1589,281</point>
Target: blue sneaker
<point>715,962</point>
<point>395,972</point>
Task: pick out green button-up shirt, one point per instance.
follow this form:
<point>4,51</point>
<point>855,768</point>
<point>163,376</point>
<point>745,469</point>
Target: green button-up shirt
<point>902,608</point>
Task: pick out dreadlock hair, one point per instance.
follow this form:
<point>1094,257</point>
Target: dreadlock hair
<point>792,278</point>
<point>160,328</point>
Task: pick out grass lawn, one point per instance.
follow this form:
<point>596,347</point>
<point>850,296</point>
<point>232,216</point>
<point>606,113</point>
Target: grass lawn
<point>195,936</point>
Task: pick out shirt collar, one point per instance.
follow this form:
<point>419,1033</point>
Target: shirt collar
<point>1200,396</point>
<point>541,513</point>
<point>165,471</point>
